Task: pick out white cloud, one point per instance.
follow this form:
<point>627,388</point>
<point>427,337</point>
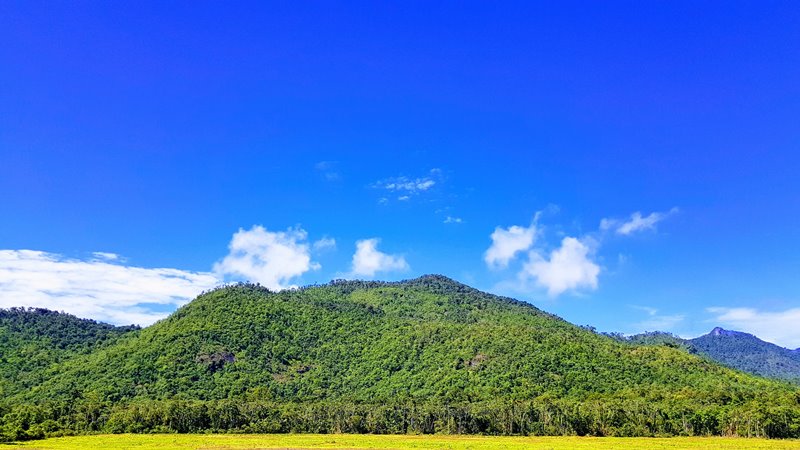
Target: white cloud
<point>405,184</point>
<point>367,260</point>
<point>326,243</point>
<point>451,219</point>
<point>636,222</point>
<point>96,288</point>
<point>106,256</point>
<point>272,259</point>
<point>405,187</point>
<point>568,268</point>
<point>779,327</point>
<point>507,243</point>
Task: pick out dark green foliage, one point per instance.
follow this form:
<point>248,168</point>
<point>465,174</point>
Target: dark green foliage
<point>34,340</point>
<point>655,338</point>
<point>420,356</point>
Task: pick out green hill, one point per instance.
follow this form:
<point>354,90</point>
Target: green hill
<point>34,340</point>
<point>424,355</point>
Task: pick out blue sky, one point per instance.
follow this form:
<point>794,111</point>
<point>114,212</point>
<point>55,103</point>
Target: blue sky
<point>626,165</point>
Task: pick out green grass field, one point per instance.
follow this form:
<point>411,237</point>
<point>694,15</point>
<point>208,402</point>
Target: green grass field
<point>347,441</point>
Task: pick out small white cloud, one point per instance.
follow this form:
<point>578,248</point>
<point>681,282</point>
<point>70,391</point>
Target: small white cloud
<point>779,327</point>
<point>106,256</point>
<point>368,260</point>
<point>451,219</point>
<point>568,268</point>
<point>272,259</point>
<point>328,169</point>
<point>636,222</point>
<point>424,185</point>
<point>404,184</point>
<point>607,224</point>
<point>326,243</point>
<point>507,243</point>
<point>403,198</point>
<point>96,288</point>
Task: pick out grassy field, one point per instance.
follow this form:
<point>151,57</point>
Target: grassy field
<point>345,441</point>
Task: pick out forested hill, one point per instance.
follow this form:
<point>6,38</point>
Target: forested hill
<point>734,349</point>
<point>423,355</point>
<point>33,340</point>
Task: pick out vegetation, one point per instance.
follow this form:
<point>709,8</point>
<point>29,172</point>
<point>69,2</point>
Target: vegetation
<point>422,356</point>
<point>33,340</point>
<point>734,349</point>
<point>231,442</point>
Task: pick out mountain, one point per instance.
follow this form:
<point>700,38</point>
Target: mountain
<point>423,355</point>
<point>33,340</point>
<point>734,349</point>
<point>748,353</point>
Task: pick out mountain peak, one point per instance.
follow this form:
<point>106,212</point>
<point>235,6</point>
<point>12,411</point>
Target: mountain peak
<point>719,331</point>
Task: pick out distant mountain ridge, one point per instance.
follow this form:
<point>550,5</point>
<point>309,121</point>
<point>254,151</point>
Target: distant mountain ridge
<point>735,349</point>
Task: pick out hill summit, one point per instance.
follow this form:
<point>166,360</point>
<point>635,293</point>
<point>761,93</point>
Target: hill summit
<point>746,352</point>
<point>423,355</point>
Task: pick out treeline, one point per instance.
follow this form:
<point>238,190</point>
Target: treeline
<point>537,417</point>
<point>62,331</point>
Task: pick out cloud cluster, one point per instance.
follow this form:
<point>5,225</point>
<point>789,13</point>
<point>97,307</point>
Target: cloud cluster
<point>407,185</point>
<point>568,268</point>
<point>779,327</point>
<point>405,188</point>
<point>368,260</point>
<point>571,266</point>
<point>635,223</point>
<point>96,288</point>
<point>507,243</point>
<point>102,287</point>
<point>271,258</point>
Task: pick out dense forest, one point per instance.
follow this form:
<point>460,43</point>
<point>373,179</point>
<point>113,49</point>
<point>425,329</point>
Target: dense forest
<point>33,341</point>
<point>428,355</point>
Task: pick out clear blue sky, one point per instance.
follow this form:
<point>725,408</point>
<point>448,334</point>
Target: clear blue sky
<point>154,131</point>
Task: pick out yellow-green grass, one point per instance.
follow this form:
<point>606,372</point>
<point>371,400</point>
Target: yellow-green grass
<point>350,441</point>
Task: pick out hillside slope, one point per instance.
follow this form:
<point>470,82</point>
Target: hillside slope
<point>34,340</point>
<point>428,354</point>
